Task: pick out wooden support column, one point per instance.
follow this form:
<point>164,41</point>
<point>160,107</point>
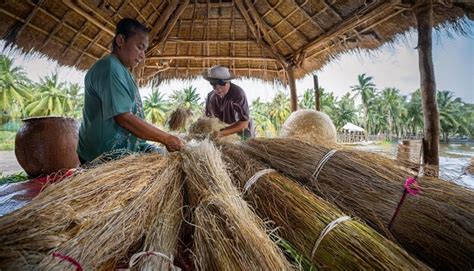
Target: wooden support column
<point>424,17</point>
<point>292,84</point>
<point>317,93</point>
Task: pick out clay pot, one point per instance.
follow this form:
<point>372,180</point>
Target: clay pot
<point>47,144</point>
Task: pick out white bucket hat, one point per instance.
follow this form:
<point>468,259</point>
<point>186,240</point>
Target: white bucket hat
<point>217,73</point>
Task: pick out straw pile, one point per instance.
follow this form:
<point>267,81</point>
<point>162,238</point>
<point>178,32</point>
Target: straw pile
<point>310,126</point>
<point>179,118</point>
<point>209,128</point>
<point>436,225</point>
<point>95,217</point>
<point>227,234</point>
<point>301,217</point>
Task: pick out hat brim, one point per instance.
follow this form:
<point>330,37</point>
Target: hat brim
<point>204,75</point>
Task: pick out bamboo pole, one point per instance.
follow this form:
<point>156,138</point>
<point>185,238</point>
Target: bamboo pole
<point>424,17</point>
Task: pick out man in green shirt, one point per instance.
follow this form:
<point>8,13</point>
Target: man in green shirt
<point>113,116</point>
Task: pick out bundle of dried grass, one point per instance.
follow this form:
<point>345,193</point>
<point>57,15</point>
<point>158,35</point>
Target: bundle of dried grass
<point>64,209</point>
<point>227,234</point>
<point>103,242</point>
<point>210,127</point>
<point>179,118</point>
<point>301,217</point>
<point>436,225</point>
<point>311,126</point>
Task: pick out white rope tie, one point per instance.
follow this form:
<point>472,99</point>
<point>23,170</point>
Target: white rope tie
<point>321,163</point>
<point>326,230</point>
<point>137,256</point>
<point>256,176</point>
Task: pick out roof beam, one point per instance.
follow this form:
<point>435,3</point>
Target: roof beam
<point>181,41</point>
<point>360,16</point>
<point>161,21</point>
<point>30,16</point>
<point>268,46</point>
<point>195,57</point>
<point>263,25</point>
<point>169,26</point>
<point>44,32</point>
<point>86,15</point>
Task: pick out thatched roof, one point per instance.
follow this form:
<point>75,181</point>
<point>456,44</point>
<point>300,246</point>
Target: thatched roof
<point>255,39</point>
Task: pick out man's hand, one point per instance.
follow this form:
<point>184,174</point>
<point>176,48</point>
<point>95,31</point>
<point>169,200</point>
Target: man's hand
<point>173,143</point>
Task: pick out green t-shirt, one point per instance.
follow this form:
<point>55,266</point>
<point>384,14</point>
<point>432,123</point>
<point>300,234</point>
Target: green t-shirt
<point>110,90</point>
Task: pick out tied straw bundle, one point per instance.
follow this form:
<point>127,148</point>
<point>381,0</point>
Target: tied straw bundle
<point>179,118</point>
<point>436,225</point>
<point>59,220</point>
<point>227,234</point>
<point>209,128</point>
<point>109,238</point>
<point>302,219</point>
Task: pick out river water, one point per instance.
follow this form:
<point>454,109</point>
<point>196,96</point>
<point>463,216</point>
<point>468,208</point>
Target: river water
<point>454,158</point>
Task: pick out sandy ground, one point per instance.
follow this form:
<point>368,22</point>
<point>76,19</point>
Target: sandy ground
<point>8,163</point>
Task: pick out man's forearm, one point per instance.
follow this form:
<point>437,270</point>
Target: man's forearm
<point>235,127</point>
<point>140,128</point>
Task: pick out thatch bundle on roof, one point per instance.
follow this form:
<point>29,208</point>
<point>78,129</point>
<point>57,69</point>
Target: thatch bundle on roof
<point>257,39</point>
<point>435,225</point>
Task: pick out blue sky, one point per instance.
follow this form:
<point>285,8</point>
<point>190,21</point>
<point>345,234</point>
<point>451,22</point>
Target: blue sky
<point>394,65</point>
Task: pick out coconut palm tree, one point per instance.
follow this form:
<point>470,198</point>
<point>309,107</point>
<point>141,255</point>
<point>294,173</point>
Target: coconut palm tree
<point>155,107</point>
<point>14,88</point>
<point>259,112</point>
<point>452,117</point>
<point>415,112</point>
<point>51,98</point>
<point>345,111</point>
<point>366,89</point>
<point>393,108</point>
<point>279,109</point>
<point>75,100</point>
<point>187,98</point>
<point>308,100</point>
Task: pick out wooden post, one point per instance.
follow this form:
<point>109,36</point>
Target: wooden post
<point>424,17</point>
<point>292,84</point>
<point>317,93</point>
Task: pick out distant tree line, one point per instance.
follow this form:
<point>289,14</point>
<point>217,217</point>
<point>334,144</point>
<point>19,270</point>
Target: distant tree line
<point>380,111</point>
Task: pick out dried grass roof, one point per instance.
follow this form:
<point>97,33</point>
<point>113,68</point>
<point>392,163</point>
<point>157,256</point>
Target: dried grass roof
<point>255,39</point>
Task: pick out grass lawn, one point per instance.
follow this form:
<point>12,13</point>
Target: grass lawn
<point>7,140</point>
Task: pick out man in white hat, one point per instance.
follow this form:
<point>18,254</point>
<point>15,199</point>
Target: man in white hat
<point>228,103</point>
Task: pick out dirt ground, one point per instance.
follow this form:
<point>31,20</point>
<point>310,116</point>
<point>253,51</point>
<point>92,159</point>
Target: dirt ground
<point>8,163</point>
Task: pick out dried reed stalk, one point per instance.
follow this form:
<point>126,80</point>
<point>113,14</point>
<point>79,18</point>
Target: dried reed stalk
<point>162,233</point>
<point>58,212</point>
<point>101,243</point>
<point>437,225</point>
<point>301,217</point>
<point>209,128</point>
<point>178,119</point>
<point>227,235</point>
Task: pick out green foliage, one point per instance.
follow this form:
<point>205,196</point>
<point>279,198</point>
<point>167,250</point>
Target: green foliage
<point>13,178</point>
<point>385,111</point>
<point>187,98</point>
<point>155,107</point>
<point>14,89</point>
<point>7,140</point>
